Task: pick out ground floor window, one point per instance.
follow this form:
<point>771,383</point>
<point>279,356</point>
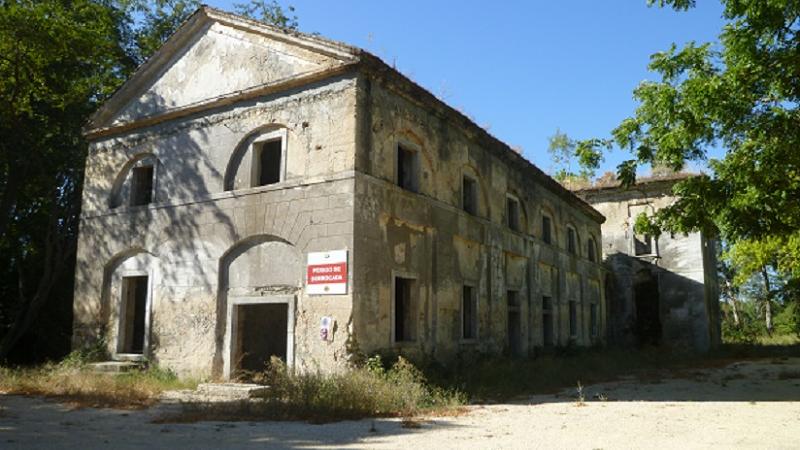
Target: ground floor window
<point>547,321</point>
<point>404,307</point>
<point>469,313</point>
<point>573,319</point>
<point>593,318</point>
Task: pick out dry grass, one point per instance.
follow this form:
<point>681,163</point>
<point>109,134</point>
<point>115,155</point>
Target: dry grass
<point>76,385</point>
<point>369,391</point>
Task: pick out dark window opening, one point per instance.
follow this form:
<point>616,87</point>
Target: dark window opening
<point>134,308</point>
<point>469,195</point>
<point>590,250</point>
<point>404,329</point>
<point>642,245</point>
<point>514,328</point>
<point>593,318</point>
<point>469,319</point>
<point>547,321</point>
<point>546,232</point>
<point>512,214</point>
<point>268,163</point>
<point>407,168</point>
<point>141,185</point>
<point>572,240</point>
<point>573,319</point>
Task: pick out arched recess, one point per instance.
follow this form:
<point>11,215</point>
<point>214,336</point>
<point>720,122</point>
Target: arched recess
<point>129,280</point>
<point>571,232</point>
<point>408,140</point>
<point>259,278</point>
<point>121,188</point>
<point>239,169</point>
<point>547,212</point>
<point>523,210</point>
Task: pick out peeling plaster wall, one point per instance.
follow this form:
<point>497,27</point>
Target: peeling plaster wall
<point>685,269</point>
<point>427,236</point>
<point>193,223</point>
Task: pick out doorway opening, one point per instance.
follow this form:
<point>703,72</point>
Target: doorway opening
<point>133,315</point>
<point>260,330</point>
<point>514,329</point>
<point>648,321</point>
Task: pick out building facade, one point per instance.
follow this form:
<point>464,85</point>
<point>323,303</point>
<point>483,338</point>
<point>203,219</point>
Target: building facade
<point>252,192</point>
<point>663,289</point>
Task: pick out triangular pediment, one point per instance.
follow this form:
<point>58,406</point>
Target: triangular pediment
<point>215,55</point>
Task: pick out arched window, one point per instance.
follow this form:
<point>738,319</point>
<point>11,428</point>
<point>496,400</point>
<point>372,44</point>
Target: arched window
<point>135,184</point>
<point>258,160</point>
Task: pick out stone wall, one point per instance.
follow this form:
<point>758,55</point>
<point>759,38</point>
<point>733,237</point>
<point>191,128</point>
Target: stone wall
<point>427,236</point>
<point>183,238</point>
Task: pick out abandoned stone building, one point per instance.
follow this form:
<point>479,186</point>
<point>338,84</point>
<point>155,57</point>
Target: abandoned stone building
<point>252,192</point>
<point>662,290</point>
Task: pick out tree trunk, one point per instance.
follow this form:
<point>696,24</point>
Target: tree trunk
<point>767,300</point>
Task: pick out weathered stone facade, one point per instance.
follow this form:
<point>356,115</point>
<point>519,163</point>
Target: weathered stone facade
<point>189,247</point>
<point>664,289</point>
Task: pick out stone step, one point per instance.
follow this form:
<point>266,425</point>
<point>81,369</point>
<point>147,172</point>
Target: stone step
<point>116,366</point>
<point>232,391</point>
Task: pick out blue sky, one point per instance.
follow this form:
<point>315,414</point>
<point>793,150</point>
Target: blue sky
<point>521,69</point>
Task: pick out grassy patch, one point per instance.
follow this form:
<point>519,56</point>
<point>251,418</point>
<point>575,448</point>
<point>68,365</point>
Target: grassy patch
<point>369,391</point>
<point>74,383</point>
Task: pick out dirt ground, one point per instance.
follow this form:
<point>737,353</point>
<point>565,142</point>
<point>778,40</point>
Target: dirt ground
<point>745,405</point>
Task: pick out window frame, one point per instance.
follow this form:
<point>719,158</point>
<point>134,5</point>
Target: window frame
<point>256,147</point>
<point>134,186</point>
<point>573,318</point>
<point>591,249</point>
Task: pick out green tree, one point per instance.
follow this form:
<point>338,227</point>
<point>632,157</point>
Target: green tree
<point>740,94</point>
<point>574,160</point>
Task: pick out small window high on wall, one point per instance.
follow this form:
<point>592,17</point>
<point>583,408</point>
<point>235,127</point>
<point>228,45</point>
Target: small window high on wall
<point>572,241</point>
<point>142,185</point>
<point>267,162</point>
<point>512,213</point>
<point>547,233</point>
<point>469,195</point>
<point>407,168</point>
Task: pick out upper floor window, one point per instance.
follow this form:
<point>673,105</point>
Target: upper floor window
<point>267,162</point>
<point>591,250</point>
<point>572,240</point>
<point>469,195</point>
<point>547,233</point>
<point>407,168</point>
<point>512,213</point>
<point>142,185</point>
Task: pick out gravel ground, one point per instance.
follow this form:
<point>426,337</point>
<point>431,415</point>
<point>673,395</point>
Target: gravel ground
<point>745,405</point>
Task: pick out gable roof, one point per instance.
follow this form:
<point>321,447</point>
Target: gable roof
<point>348,58</point>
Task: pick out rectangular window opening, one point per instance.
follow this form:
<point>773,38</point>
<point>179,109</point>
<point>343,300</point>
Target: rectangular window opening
<point>571,241</point>
<point>268,162</point>
<point>407,169</point>
<point>469,316</point>
<point>404,326</point>
<point>593,319</point>
<point>546,232</point>
<point>469,195</point>
<point>514,328</point>
<point>512,213</point>
<point>547,321</point>
<point>573,319</point>
<point>142,185</point>
<point>590,251</point>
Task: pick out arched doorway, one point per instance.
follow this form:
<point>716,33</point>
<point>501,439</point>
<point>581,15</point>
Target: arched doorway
<point>260,278</point>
